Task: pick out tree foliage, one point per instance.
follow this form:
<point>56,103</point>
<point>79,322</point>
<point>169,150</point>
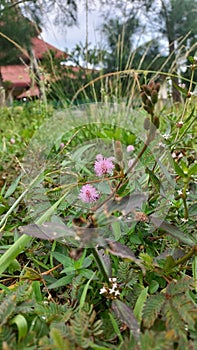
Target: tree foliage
<point>16,30</point>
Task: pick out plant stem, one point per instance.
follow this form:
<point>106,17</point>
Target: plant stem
<point>184,197</point>
<point>100,265</point>
<point>186,257</point>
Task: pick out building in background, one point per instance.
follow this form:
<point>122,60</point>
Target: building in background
<point>23,80</point>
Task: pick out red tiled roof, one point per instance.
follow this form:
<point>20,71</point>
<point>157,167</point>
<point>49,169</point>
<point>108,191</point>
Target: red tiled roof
<point>40,48</point>
<point>32,92</point>
<point>17,74</point>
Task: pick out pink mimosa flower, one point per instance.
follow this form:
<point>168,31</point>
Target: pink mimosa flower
<point>103,166</point>
<point>130,148</point>
<point>88,194</point>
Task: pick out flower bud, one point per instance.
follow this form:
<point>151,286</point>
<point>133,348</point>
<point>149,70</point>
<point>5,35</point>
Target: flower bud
<point>154,96</point>
<point>118,151</point>
<point>156,121</point>
<point>143,97</point>
<point>157,87</point>
<point>147,90</point>
<point>149,102</point>
<point>146,123</point>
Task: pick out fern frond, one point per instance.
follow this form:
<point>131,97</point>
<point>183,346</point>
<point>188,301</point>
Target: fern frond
<point>7,308</point>
<point>152,309</point>
<point>156,340</point>
<point>173,320</point>
<point>185,308</point>
<point>126,274</point>
<point>6,336</point>
<point>178,287</point>
<point>84,326</point>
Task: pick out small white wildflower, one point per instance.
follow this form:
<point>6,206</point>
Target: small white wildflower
<point>184,220</point>
<point>114,285</point>
<point>103,290</point>
<point>173,155</point>
<point>117,292</point>
<point>180,155</point>
<point>179,192</point>
<point>166,136</point>
<point>112,279</point>
<point>111,290</point>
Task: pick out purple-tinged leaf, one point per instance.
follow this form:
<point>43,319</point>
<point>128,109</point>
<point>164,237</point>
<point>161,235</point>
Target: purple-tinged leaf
<point>125,314</point>
<point>124,252</point>
<point>172,231</point>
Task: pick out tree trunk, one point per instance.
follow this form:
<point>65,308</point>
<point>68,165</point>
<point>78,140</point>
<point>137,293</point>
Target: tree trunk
<point>2,92</point>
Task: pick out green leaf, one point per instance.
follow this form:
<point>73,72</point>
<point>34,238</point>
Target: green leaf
<point>22,326</point>
<point>154,285</point>
<point>97,347</point>
<point>194,272</point>
<point>155,181</point>
<point>125,314</point>
<point>115,326</point>
<point>3,208</point>
<point>192,170</point>
<point>59,341</point>
<point>140,304</point>
<point>116,230</point>
<point>12,187</point>
<point>152,309</point>
<point>85,290</point>
<point>191,59</point>
<point>169,264</point>
<point>178,170</point>
<point>178,287</point>
<point>14,266</point>
<point>64,260</point>
<point>76,156</point>
<point>37,291</point>
<point>61,282</point>
<point>179,88</point>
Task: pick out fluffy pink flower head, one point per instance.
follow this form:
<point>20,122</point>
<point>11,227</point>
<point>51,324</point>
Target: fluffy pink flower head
<point>103,166</point>
<point>130,148</point>
<point>88,194</point>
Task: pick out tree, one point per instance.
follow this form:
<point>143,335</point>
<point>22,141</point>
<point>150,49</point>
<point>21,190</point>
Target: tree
<point>16,30</point>
<point>177,20</point>
<point>174,20</point>
<point>119,33</point>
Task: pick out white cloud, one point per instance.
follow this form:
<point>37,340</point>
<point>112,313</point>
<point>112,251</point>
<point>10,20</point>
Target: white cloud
<point>73,35</point>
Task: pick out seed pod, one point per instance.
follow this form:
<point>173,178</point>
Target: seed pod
<point>156,121</point>
<point>154,96</point>
<point>118,151</point>
<point>152,85</point>
<point>147,90</point>
<point>143,97</point>
<point>146,123</point>
<point>157,87</point>
<point>148,102</point>
<point>148,109</point>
